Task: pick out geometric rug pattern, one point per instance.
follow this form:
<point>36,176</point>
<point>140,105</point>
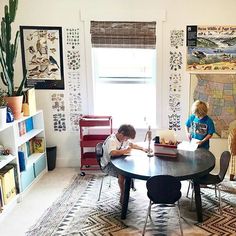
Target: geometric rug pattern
<point>77,212</point>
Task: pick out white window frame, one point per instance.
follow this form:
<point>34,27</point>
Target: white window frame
<point>159,16</point>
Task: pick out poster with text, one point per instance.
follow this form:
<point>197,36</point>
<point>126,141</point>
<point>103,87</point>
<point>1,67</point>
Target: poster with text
<point>211,48</point>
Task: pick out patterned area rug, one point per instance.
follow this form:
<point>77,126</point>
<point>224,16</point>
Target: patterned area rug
<point>77,212</point>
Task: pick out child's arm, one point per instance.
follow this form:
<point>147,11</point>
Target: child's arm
<point>135,146</point>
<point>205,139</point>
<point>187,133</point>
<point>120,152</point>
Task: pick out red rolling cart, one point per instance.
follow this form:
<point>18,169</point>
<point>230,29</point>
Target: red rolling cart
<point>93,129</point>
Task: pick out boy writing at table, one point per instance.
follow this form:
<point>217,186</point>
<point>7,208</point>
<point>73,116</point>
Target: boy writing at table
<point>119,144</point>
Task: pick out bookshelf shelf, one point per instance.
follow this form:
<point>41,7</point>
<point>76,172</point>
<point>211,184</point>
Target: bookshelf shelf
<point>25,165</point>
<point>29,135</point>
<point>4,160</point>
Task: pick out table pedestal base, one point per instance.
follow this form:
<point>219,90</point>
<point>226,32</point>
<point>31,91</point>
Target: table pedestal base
<point>198,201</point>
<point>126,198</point>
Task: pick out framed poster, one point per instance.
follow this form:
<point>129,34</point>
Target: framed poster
<point>211,48</point>
<point>42,56</point>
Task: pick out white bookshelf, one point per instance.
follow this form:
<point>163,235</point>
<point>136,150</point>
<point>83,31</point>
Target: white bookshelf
<point>35,164</point>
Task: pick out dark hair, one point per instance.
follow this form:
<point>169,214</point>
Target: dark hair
<point>127,130</point>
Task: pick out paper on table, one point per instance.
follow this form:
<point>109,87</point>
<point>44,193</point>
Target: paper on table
<point>188,146</point>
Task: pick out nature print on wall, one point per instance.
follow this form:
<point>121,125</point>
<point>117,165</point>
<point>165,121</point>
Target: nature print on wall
<point>211,48</point>
<point>58,107</point>
<point>73,60</point>
<point>177,38</point>
<point>175,85</point>
<point>42,56</point>
<point>176,60</point>
<point>174,102</point>
<point>75,101</point>
<point>174,122</point>
<point>175,92</point>
<point>72,37</point>
<point>219,91</point>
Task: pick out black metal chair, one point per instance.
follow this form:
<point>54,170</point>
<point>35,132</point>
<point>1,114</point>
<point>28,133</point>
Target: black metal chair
<point>216,180</point>
<point>163,190</point>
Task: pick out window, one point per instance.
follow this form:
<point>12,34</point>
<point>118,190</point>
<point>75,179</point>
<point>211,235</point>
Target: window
<point>124,85</point>
<point>124,59</point>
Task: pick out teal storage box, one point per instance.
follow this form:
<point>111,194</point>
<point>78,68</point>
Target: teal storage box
<point>27,177</point>
<point>39,165</point>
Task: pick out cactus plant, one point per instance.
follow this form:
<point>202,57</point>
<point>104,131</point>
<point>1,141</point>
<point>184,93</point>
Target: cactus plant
<point>8,51</point>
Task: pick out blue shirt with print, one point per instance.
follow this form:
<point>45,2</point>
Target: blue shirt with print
<point>200,128</point>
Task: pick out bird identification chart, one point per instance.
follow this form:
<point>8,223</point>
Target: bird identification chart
<point>42,56</point>
<point>211,48</point>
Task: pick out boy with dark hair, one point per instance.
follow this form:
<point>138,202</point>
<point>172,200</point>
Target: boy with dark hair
<point>119,144</point>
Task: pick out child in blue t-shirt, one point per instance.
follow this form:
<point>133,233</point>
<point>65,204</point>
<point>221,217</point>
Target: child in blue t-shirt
<point>199,125</point>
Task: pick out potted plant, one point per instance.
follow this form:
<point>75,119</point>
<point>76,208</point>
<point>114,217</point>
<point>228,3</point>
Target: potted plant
<point>8,53</point>
<point>3,109</point>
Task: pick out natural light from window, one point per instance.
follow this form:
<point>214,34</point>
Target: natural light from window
<point>125,85</point>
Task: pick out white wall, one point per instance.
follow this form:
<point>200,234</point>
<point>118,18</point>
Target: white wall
<point>66,13</point>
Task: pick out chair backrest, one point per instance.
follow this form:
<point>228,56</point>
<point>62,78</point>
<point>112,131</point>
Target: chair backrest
<point>99,152</point>
<point>163,189</point>
<point>224,164</point>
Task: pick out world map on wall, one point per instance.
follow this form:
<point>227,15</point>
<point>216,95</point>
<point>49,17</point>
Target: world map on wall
<point>219,91</point>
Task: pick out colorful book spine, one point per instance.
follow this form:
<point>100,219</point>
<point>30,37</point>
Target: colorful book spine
<point>22,161</point>
<point>22,128</point>
<point>29,124</point>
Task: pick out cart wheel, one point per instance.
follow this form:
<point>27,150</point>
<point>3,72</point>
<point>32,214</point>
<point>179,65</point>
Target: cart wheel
<point>134,189</point>
<point>82,173</point>
<point>87,166</point>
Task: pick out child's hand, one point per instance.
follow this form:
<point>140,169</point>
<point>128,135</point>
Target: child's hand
<point>127,150</point>
<point>200,142</point>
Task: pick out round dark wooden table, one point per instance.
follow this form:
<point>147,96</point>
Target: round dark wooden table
<point>185,166</point>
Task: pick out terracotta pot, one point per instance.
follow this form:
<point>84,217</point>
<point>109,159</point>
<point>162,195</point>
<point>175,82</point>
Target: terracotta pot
<point>15,103</point>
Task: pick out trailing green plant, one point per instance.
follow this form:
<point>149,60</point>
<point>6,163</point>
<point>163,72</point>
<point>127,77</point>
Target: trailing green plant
<point>8,50</point>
